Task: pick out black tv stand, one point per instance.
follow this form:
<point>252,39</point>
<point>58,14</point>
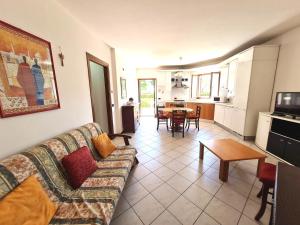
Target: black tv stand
<point>284,139</point>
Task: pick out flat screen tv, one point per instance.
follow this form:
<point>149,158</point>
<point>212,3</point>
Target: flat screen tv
<point>287,103</point>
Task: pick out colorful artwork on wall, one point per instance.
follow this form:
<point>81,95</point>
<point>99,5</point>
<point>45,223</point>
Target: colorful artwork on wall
<point>27,76</point>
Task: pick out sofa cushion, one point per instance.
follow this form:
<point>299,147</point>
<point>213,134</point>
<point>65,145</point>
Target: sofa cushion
<point>104,145</point>
<point>79,165</point>
<point>27,204</point>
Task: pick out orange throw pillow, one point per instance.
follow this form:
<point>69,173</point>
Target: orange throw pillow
<point>27,204</point>
<point>103,145</point>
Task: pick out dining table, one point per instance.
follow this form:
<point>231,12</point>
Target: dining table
<point>171,109</point>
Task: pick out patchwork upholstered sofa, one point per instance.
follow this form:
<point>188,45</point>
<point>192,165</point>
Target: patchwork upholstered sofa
<point>95,201</point>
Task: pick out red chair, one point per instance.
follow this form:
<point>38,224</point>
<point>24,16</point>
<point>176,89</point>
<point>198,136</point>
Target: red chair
<point>161,117</point>
<point>178,121</point>
<point>267,176</point>
<point>194,117</point>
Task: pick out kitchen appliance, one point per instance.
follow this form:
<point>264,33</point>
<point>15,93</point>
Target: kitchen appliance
<point>287,103</point>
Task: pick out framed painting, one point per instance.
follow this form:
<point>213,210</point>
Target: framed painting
<point>27,75</point>
<point>123,88</point>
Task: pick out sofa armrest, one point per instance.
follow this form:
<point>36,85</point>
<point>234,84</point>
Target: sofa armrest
<point>125,137</point>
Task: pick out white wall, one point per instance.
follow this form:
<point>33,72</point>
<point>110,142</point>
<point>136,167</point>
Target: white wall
<point>288,66</point>
<point>48,20</point>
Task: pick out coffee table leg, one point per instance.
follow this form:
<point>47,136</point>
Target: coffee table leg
<point>224,169</point>
<point>201,151</point>
<point>260,162</point>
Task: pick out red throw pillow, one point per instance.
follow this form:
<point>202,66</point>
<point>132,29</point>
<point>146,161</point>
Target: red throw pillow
<point>79,165</point>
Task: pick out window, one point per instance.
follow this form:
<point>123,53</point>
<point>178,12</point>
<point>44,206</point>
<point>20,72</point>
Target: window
<point>205,85</point>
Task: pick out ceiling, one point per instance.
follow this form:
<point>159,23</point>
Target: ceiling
<point>158,32</point>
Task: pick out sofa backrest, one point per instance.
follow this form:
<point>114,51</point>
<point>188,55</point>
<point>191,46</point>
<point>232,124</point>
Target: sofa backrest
<point>44,160</point>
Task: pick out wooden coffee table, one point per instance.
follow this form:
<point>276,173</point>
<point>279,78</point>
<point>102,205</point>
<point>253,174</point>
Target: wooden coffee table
<point>228,150</point>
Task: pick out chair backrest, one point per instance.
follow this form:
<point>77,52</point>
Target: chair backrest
<point>178,116</point>
<point>159,112</point>
<point>198,111</point>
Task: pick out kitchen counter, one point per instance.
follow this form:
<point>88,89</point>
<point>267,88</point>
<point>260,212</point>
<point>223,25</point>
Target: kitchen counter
<point>207,107</point>
<point>204,101</point>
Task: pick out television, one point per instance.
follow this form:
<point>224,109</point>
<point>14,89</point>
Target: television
<point>287,103</point>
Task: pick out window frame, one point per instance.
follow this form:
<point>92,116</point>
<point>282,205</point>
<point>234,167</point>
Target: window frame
<point>198,83</point>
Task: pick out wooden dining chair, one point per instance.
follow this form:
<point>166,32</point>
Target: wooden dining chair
<point>195,118</point>
<point>178,121</point>
<point>161,117</point>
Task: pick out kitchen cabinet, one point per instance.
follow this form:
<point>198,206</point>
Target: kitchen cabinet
<point>228,117</point>
<point>232,77</point>
<point>250,86</point>
<point>238,120</point>
<point>262,132</point>
<point>242,84</point>
<point>284,139</point>
<point>207,109</point>
<point>219,113</point>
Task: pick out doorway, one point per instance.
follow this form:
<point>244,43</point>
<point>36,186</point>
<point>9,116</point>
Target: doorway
<point>147,96</point>
<point>98,72</point>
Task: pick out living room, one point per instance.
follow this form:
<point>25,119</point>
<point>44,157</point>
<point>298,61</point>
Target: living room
<point>187,58</point>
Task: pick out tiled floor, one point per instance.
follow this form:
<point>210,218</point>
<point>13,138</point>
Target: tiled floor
<point>171,186</point>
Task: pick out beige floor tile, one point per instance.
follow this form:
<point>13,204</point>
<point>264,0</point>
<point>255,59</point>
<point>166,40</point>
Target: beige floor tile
<point>151,182</point>
<point>134,193</point>
<point>153,165</point>
<point>231,197</point>
<point>251,210</point>
<point>173,154</point>
<point>222,213</point>
<point>191,212</point>
<point>148,209</point>
<point>205,219</point>
<point>199,166</point>
<point>208,184</point>
<point>179,183</point>
<point>165,194</point>
<point>186,160</point>
<point>127,218</point>
<point>175,165</point>
<point>164,173</point>
<point>166,218</point>
<point>238,185</point>
<point>140,171</point>
<point>144,158</point>
<point>121,207</point>
<point>190,174</point>
<point>198,196</point>
<point>246,221</point>
<point>153,153</point>
<point>163,159</point>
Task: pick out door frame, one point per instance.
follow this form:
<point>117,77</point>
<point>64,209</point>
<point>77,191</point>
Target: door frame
<point>155,93</point>
<point>90,57</point>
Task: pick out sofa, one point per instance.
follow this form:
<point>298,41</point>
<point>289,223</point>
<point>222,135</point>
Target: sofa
<point>95,201</point>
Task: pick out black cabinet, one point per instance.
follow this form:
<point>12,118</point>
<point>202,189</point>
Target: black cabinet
<point>292,152</point>
<point>284,147</point>
<point>276,144</point>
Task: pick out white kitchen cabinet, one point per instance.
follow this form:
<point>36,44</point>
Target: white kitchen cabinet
<point>228,117</point>
<point>263,128</point>
<point>242,84</point>
<point>232,77</point>
<point>250,85</point>
<point>219,114</point>
<point>238,120</point>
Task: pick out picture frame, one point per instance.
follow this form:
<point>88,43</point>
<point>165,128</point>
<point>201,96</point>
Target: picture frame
<point>27,75</point>
<point>123,88</point>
